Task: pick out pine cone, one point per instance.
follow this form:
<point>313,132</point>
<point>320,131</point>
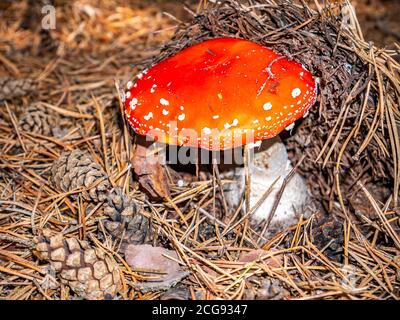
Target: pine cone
<point>136,232</point>
<point>14,88</point>
<point>120,207</point>
<point>88,271</point>
<point>77,169</point>
<point>37,119</point>
<point>128,225</point>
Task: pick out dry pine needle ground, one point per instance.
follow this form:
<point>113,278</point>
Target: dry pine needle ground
<point>67,101</point>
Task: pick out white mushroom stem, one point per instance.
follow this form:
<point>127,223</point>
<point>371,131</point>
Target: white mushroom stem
<point>268,170</point>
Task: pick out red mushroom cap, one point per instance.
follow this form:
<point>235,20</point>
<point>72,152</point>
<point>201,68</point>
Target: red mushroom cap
<point>220,88</point>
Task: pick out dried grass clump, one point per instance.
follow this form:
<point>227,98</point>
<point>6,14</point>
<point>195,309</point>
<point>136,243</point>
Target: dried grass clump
<point>350,142</point>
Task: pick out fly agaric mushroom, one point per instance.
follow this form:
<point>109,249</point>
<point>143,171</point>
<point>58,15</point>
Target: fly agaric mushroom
<point>219,89</point>
<point>222,89</point>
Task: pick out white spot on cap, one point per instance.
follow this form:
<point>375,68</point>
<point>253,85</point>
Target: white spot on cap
<point>181,117</point>
<point>133,103</point>
<point>207,130</point>
<point>268,118</point>
<point>215,117</point>
<point>296,92</point>
<point>128,94</point>
<point>165,112</point>
<point>164,102</point>
<point>267,106</point>
<point>129,85</point>
<point>148,116</point>
<point>140,76</point>
<point>234,123</point>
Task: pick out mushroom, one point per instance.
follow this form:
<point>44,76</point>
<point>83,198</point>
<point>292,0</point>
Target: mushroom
<point>218,95</point>
<point>218,90</point>
<point>269,167</point>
